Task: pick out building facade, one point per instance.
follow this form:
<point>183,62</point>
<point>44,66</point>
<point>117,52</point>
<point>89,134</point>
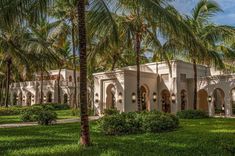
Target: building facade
<point>29,93</point>
<point>163,91</point>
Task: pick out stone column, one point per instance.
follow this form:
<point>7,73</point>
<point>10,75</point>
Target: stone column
<point>211,107</point>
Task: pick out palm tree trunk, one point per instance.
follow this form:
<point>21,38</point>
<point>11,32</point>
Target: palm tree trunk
<point>114,63</point>
<point>84,136</point>
<point>58,87</point>
<point>41,88</point>
<point>138,42</point>
<point>1,92</point>
<point>9,62</point>
<point>74,66</point>
<point>195,84</point>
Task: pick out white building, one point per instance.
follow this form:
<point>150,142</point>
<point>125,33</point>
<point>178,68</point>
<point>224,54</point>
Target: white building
<point>28,93</point>
<point>163,92</point>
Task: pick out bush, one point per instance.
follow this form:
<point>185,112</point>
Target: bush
<point>29,113</point>
<point>159,122</point>
<point>113,125</point>
<point>44,115</point>
<point>54,106</point>
<point>75,112</point>
<point>192,114</point>
<point>130,123</point>
<point>111,111</point>
<point>10,111</point>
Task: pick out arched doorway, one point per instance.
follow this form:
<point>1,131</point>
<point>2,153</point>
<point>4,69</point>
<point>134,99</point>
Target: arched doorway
<point>202,100</point>
<point>49,97</point>
<point>166,103</point>
<point>28,99</point>
<point>20,98</point>
<point>218,101</point>
<point>183,99</point>
<point>233,100</point>
<point>110,98</point>
<point>65,99</point>
<point>144,93</point>
<point>14,99</point>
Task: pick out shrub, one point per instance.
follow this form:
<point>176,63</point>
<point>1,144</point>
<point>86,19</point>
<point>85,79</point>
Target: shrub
<point>75,112</point>
<point>54,106</point>
<point>130,123</point>
<point>158,122</point>
<point>29,113</point>
<point>192,114</point>
<point>46,117</point>
<point>111,111</point>
<point>113,125</point>
<point>10,111</point>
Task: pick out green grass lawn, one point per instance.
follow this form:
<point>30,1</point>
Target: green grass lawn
<point>9,119</point>
<point>194,137</point>
<point>62,114</point>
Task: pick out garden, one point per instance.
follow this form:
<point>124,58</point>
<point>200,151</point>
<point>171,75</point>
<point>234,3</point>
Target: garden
<point>36,113</point>
<point>190,132</point>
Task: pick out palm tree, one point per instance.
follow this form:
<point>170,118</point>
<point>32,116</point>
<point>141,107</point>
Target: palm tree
<point>209,35</point>
<point>12,54</point>
<point>40,44</point>
<point>66,61</point>
<point>2,76</point>
<point>85,137</point>
<point>66,11</point>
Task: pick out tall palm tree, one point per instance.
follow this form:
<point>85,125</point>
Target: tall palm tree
<point>209,35</point>
<point>85,137</point>
<point>40,43</point>
<point>11,40</point>
<point>66,11</point>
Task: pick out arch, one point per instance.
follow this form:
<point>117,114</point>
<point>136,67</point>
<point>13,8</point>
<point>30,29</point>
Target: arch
<point>166,103</point>
<point>20,98</point>
<point>145,100</point>
<point>218,101</point>
<point>202,102</point>
<point>14,99</point>
<point>49,97</point>
<point>110,98</point>
<point>65,99</point>
<point>183,99</point>
<point>28,99</point>
<point>70,78</point>
<point>232,92</point>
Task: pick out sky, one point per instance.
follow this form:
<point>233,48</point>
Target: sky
<point>227,17</point>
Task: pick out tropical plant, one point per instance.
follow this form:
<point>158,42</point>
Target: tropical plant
<point>212,37</point>
<point>66,12</point>
<point>85,137</point>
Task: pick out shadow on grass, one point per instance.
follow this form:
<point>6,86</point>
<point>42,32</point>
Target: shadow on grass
<point>63,140</point>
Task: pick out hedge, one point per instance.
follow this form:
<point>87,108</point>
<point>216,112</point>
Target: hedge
<point>192,114</point>
<point>130,123</point>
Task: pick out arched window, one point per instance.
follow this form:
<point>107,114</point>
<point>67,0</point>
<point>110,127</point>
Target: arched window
<point>15,98</point>
<point>202,100</point>
<point>28,99</point>
<point>110,99</point>
<point>219,103</point>
<point>49,97</point>
<point>166,103</point>
<point>183,100</point>
<point>65,98</point>
<point>70,78</point>
<point>145,103</point>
